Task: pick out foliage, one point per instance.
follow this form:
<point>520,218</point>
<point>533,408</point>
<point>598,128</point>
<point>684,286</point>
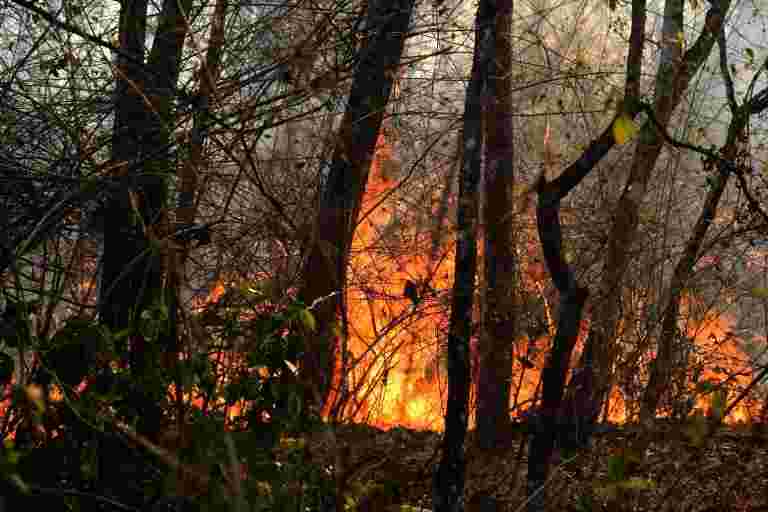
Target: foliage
<point>268,129</point>
<point>216,447</point>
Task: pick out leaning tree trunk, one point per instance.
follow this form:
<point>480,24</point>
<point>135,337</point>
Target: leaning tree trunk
<point>501,264</point>
<point>448,482</point>
<point>342,190</point>
<point>572,300</point>
<point>661,366</point>
<point>674,76</point>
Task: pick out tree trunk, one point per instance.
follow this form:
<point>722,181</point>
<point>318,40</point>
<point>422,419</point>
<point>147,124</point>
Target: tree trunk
<point>661,366</point>
<point>448,481</point>
<point>132,264</point>
<point>342,190</point>
<point>122,240</point>
<point>674,75</point>
<point>572,300</point>
<point>501,265</point>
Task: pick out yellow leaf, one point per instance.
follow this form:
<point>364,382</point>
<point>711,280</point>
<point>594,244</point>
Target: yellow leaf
<point>681,39</point>
<point>263,488</point>
<point>719,399</point>
<point>623,129</point>
<point>759,292</point>
<point>637,484</point>
<point>609,492</point>
<point>307,319</point>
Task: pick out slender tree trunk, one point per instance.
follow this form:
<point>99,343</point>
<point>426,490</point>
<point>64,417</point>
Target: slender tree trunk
<point>343,187</point>
<point>572,300</point>
<point>674,75</point>
<point>185,230</point>
<point>501,264</point>
<point>448,482</point>
<point>140,149</point>
<point>661,366</point>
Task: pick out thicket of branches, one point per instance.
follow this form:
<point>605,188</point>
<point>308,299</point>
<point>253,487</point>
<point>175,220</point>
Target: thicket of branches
<point>226,225</point>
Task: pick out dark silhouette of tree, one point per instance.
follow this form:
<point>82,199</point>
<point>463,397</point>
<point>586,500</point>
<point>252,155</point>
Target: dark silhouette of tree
<point>448,482</point>
<point>343,184</point>
<point>501,263</point>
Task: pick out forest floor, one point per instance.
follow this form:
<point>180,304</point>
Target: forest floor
<point>728,472</point>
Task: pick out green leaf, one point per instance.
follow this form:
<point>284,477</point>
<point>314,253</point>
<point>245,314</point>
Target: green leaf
<point>719,399</point>
<point>637,484</point>
<point>307,319</point>
<point>608,492</point>
<point>122,334</point>
<point>696,429</point>
<point>616,467</point>
<point>623,129</point>
<point>750,56</point>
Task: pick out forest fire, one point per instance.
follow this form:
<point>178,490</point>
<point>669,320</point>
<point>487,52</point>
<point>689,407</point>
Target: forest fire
<point>396,318</point>
<point>397,305</point>
<point>396,376</point>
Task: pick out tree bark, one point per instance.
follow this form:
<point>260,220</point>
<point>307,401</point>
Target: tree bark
<point>661,366</point>
<point>140,149</point>
<point>448,481</point>
<point>674,76</point>
<point>342,189</point>
<point>501,264</point>
<point>572,300</point>
<point>131,264</point>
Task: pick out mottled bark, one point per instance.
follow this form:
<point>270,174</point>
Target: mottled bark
<point>448,482</point>
<point>501,263</point>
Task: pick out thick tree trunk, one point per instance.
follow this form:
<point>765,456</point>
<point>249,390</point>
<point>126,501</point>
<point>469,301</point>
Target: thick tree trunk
<point>501,264</point>
<point>131,267</point>
<point>131,270</point>
<point>448,482</point>
<point>122,241</point>
<point>342,190</point>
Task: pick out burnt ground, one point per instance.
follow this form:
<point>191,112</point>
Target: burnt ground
<point>729,472</point>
